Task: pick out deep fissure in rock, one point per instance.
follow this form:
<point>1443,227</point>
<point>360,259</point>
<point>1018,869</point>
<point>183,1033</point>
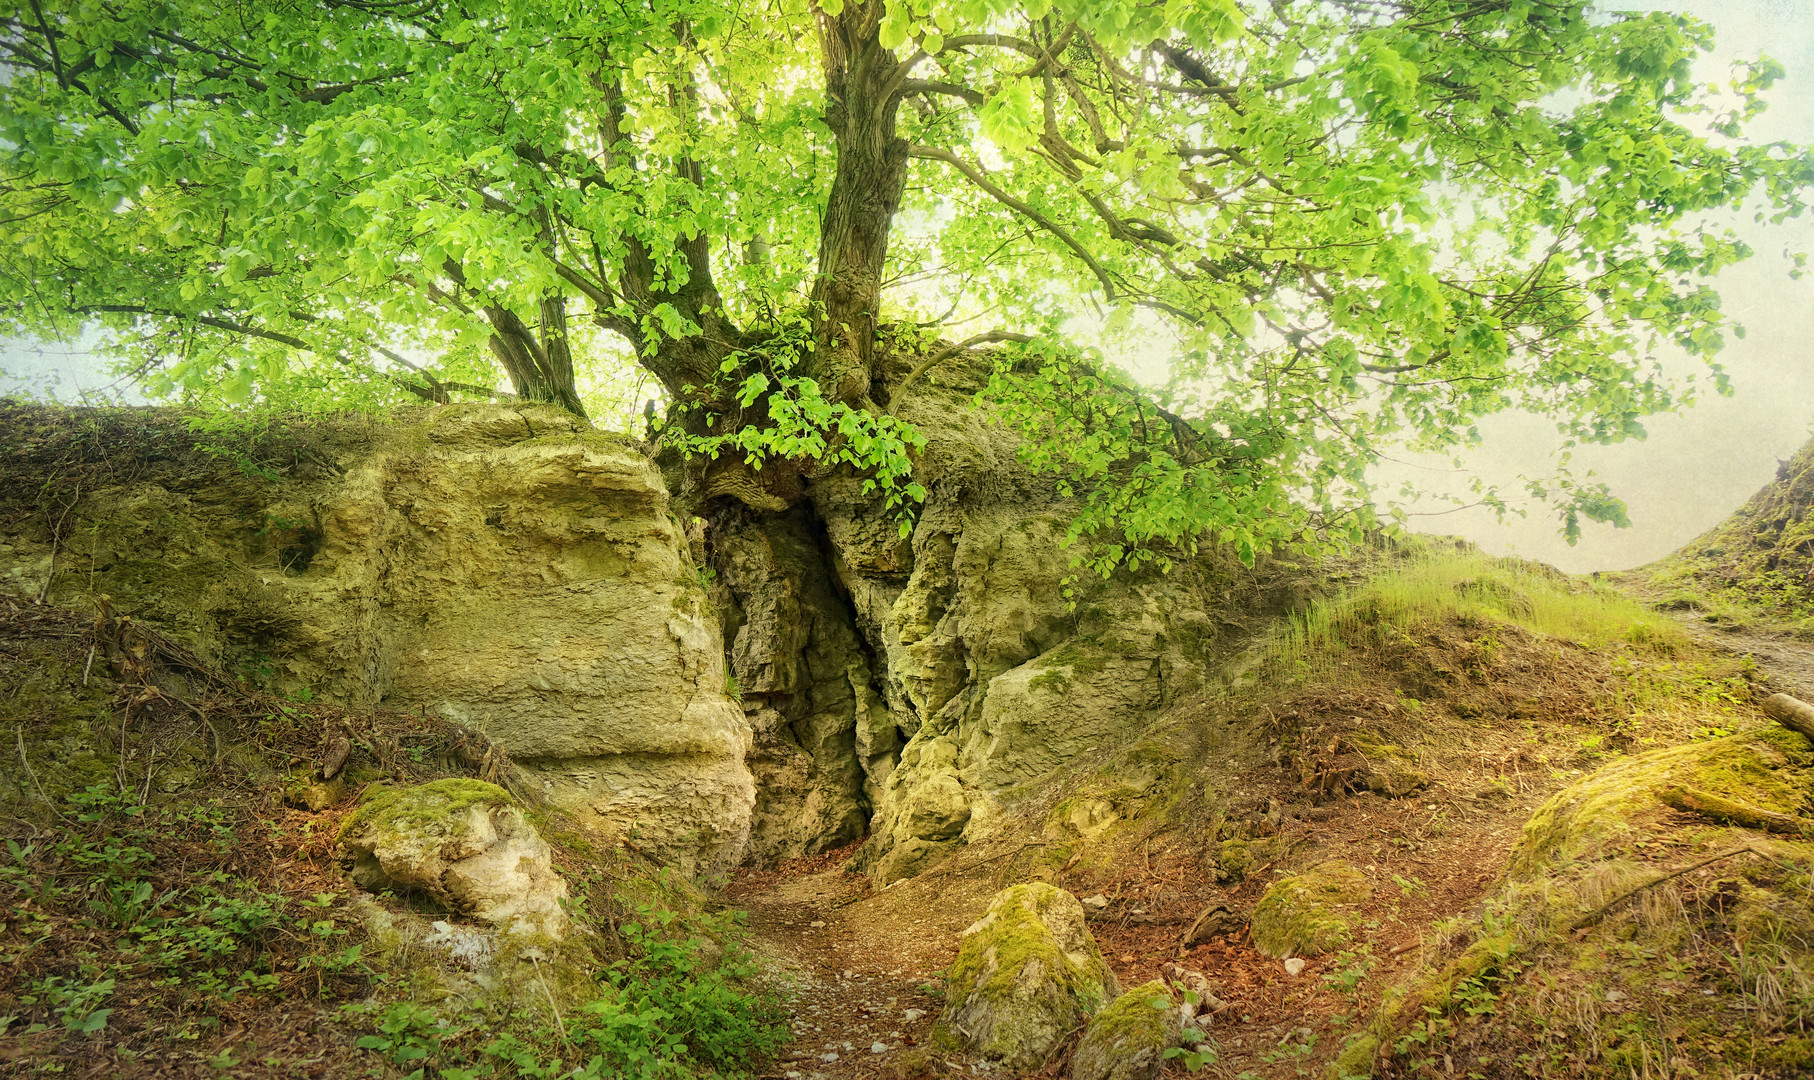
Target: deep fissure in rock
<point>824,739</point>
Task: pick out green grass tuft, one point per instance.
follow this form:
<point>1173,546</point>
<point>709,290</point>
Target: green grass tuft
<point>1468,585</point>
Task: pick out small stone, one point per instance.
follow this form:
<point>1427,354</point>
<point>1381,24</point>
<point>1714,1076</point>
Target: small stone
<point>1098,901</point>
<point>911,1015</point>
<point>816,923</point>
<point>793,1074</point>
<point>833,1056</point>
<point>1615,995</point>
<point>878,1047</point>
<point>1295,966</point>
<point>848,975</point>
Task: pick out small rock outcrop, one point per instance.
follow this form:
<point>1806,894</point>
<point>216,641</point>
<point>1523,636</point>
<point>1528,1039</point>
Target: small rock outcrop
<point>1302,915</point>
<point>1027,974</point>
<point>1128,1040</point>
<point>503,566</point>
<point>463,843</point>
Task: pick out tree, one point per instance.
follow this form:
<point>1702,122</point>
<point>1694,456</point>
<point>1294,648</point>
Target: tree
<point>1357,223</point>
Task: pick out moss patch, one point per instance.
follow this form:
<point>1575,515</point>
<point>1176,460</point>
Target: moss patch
<point>1301,915</point>
<point>402,809</point>
<point>1758,775</point>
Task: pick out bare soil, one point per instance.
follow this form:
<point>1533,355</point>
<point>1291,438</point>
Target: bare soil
<point>1496,739</point>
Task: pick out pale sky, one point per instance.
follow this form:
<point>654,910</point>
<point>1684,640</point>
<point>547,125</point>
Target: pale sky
<point>1692,471</point>
<point>1698,467</point>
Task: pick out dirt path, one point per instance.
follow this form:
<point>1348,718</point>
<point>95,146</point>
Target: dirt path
<point>861,969</point>
<point>859,999</point>
<point>1786,661</point>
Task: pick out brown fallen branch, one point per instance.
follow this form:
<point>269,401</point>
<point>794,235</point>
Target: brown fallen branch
<point>1598,913</point>
<point>1792,713</point>
<point>1726,811</point>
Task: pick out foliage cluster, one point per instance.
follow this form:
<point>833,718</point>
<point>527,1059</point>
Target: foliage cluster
<point>115,900</point>
<point>1342,226</point>
<point>663,1014</point>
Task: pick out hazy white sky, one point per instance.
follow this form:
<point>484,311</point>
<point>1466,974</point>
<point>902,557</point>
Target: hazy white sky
<point>1695,468</point>
<point>1691,472</point>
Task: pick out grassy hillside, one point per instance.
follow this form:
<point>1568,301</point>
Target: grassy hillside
<point>1754,568</point>
<point>1519,793</point>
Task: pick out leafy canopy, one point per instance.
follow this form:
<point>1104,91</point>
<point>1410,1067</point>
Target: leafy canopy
<point>1351,224</point>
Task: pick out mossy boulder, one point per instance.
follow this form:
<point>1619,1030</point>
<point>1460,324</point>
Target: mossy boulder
<point>463,844</point>
<point>1027,974</point>
<point>1128,1040</point>
<point>1390,770</point>
<point>1634,893</point>
<point>1759,780</point>
<point>1303,915</point>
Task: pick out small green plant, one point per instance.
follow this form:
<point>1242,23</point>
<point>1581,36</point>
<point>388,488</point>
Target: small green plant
<point>1195,1050</point>
<point>408,1036</point>
<point>75,1003</point>
<point>1351,967</point>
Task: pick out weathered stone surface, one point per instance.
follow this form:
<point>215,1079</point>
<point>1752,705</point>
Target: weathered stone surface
<point>462,842</point>
<point>1026,975</point>
<point>1303,915</point>
<point>503,566</point>
<point>990,679</point>
<point>823,736</point>
<point>1128,1040</point>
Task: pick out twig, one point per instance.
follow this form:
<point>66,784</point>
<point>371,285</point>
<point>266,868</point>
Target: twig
<point>983,862</point>
<point>19,740</point>
<point>1594,916</point>
<point>56,534</point>
<point>560,1025</point>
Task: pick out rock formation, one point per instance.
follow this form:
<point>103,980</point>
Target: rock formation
<point>462,843</point>
<point>505,567</point>
<point>1027,974</point>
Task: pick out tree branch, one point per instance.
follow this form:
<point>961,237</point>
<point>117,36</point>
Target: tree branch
<point>975,176</point>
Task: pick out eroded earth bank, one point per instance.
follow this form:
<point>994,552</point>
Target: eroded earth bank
<point>455,745</point>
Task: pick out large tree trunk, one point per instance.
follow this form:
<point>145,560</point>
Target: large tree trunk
<point>862,81</point>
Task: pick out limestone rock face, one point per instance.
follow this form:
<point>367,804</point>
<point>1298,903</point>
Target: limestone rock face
<point>1302,915</point>
<point>987,678</point>
<point>463,843</point>
<point>823,738</point>
<point>1128,1040</point>
<point>504,566</point>
<point>1027,974</point>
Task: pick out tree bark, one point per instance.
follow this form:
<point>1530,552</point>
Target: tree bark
<point>862,82</point>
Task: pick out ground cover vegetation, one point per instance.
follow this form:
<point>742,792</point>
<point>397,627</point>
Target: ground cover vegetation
<point>1349,225</point>
<point>175,908</point>
<point>1514,822</point>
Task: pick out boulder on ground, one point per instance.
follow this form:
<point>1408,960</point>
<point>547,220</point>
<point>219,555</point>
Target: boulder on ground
<point>1301,915</point>
<point>463,843</point>
<point>1027,974</point>
<point>1128,1040</point>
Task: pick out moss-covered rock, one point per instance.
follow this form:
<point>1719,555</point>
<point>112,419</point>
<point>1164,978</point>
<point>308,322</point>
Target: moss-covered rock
<point>1755,780</point>
<point>1301,915</point>
<point>462,843</point>
<point>1390,770</point>
<point>1661,899</point>
<point>1027,974</point>
<point>1128,1040</point>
